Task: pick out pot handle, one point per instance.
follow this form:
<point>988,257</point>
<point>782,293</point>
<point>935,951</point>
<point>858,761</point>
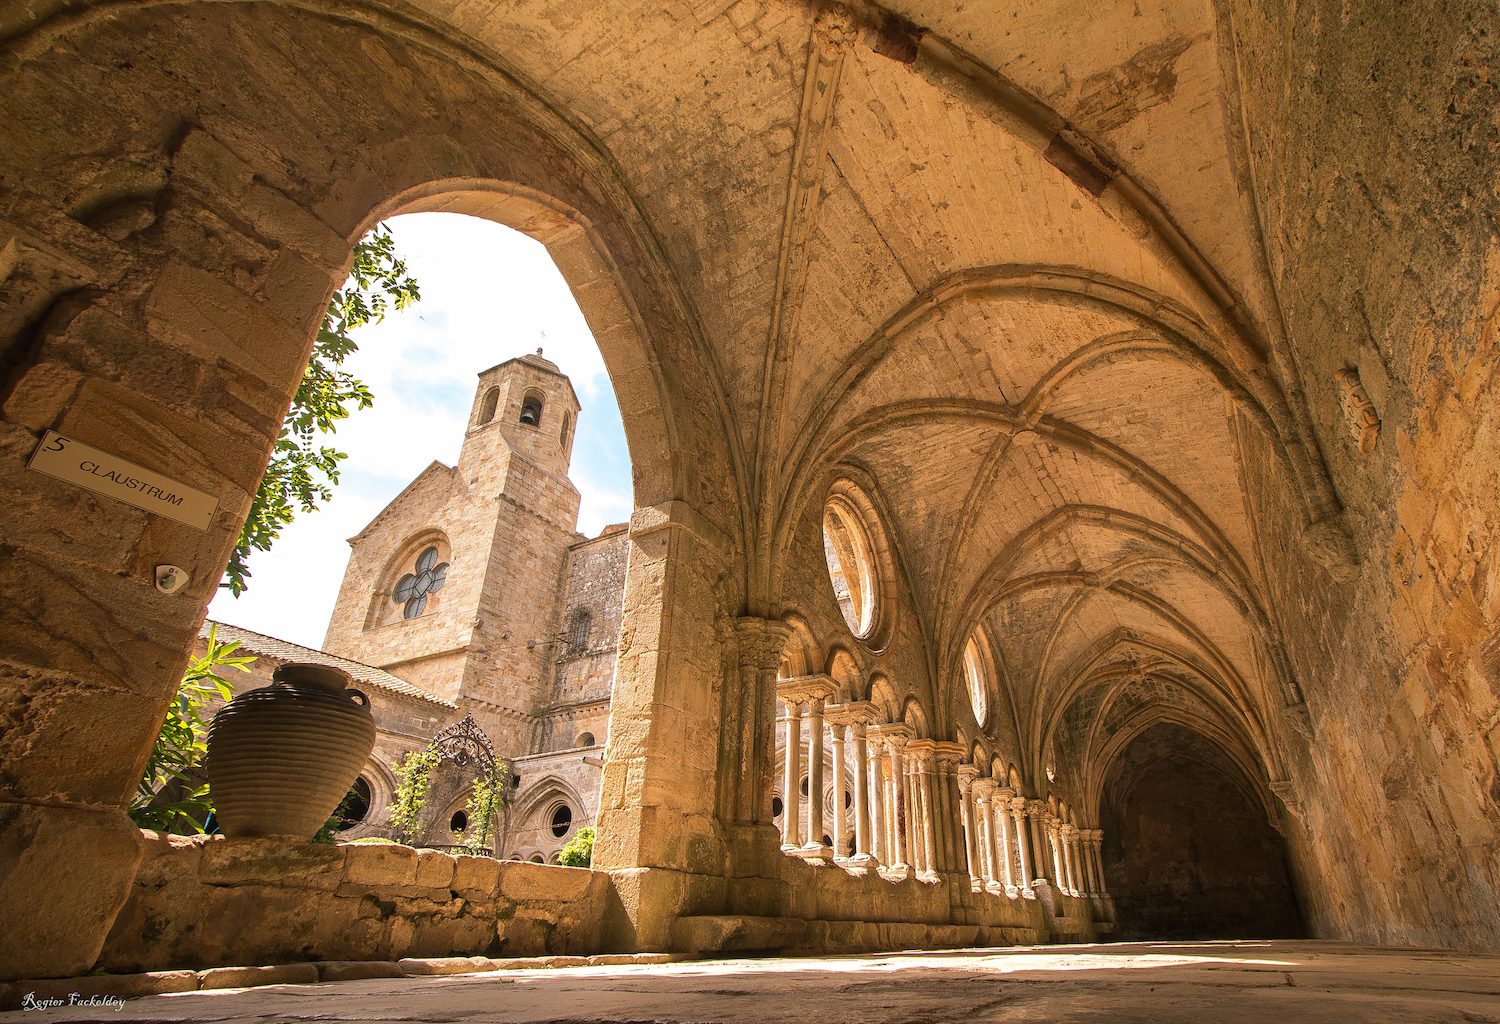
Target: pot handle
<point>363,701</point>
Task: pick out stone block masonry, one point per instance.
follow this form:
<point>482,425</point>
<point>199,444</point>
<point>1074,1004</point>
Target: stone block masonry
<point>205,901</point>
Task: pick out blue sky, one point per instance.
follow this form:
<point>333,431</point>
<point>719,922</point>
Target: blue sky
<point>488,293</point>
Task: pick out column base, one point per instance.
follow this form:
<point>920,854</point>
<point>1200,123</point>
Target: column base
<point>815,852</point>
<point>1028,894</point>
<point>1012,891</point>
<point>895,872</point>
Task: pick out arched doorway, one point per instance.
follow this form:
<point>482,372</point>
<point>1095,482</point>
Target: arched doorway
<point>1188,850</point>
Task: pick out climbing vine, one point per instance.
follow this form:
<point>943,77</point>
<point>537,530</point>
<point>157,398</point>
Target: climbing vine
<point>484,801</point>
<point>412,783</point>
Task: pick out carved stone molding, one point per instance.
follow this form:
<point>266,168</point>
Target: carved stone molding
<point>1359,412</point>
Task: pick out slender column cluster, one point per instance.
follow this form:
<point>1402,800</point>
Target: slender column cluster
<point>889,796</point>
<point>1018,817</point>
<point>923,786</point>
<point>1041,860</point>
<point>812,691</point>
<point>982,794</point>
<point>948,839</point>
<point>969,816</point>
<point>1094,843</point>
<point>851,719</point>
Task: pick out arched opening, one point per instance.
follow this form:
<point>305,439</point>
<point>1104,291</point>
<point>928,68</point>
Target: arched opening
<point>487,410</point>
<point>531,410</point>
<point>458,822</point>
<point>562,820</point>
<point>356,806</point>
<point>585,739</point>
<point>1188,850</point>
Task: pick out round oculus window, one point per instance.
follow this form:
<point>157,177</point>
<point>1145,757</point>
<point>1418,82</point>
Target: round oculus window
<point>974,675</point>
<point>851,565</point>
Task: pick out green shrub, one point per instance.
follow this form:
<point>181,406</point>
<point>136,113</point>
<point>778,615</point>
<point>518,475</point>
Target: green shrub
<point>579,853</point>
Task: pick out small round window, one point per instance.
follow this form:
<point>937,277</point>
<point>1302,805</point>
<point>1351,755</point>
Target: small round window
<point>413,588</point>
<point>974,675</point>
<point>851,565</point>
<point>562,820</point>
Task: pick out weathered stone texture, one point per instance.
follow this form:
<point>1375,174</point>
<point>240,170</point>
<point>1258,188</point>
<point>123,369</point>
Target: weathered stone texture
<point>1059,300</point>
<point>205,901</point>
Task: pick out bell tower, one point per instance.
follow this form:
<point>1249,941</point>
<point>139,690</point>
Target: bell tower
<point>519,440</point>
<point>454,585</point>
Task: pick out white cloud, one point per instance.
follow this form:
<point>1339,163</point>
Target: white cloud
<point>488,294</point>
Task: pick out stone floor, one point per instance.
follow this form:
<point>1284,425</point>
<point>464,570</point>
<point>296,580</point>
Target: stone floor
<point>1153,983</point>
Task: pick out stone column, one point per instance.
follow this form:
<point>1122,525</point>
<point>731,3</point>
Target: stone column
<point>969,815</point>
<point>921,759</point>
<point>909,793</point>
<point>791,792</point>
<point>898,808</point>
<point>1040,867</point>
<point>1096,845</point>
<point>1086,844</point>
<point>946,814</point>
<point>749,736</point>
<point>861,714</point>
<point>1018,819</point>
<point>814,846</point>
<point>1065,835</point>
<point>1081,864</point>
<point>852,715</point>
<point>879,847</point>
<point>1000,828</point>
<point>982,791</point>
<point>1049,826</point>
<point>812,691</point>
<point>840,818</point>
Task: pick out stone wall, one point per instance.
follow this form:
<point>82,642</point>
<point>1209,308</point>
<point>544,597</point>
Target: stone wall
<point>208,901</point>
<point>1373,141</point>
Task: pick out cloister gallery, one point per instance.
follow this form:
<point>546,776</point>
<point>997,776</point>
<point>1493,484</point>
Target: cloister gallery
<point>1131,363</point>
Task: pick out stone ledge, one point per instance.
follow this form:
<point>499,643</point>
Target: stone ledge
<point>120,986</point>
<point>254,977</point>
<point>359,970</point>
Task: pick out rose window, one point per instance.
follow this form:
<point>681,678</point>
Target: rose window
<point>413,588</point>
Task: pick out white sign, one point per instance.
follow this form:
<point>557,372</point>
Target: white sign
<point>77,463</point>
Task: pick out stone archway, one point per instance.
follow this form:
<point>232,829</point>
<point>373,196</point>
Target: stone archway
<point>199,243</point>
<point>1188,851</point>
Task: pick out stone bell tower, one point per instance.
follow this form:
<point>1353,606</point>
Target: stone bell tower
<point>454,585</point>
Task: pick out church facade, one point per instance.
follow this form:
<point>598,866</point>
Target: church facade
<point>473,586</point>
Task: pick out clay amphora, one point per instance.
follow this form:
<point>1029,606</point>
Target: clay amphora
<point>281,758</point>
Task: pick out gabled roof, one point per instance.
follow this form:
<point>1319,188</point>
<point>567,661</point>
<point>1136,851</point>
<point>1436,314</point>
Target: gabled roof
<point>282,650</point>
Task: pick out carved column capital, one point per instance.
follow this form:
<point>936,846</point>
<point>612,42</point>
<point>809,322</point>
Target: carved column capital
<point>984,788</point>
<point>923,754</point>
<point>812,690</point>
<point>967,776</point>
<point>762,642</point>
<point>854,712</point>
<point>893,735</point>
<point>950,755</point>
